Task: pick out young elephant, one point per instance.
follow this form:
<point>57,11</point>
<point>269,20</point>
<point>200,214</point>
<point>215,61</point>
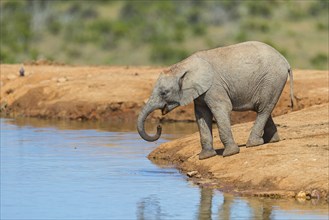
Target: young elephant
<point>245,76</point>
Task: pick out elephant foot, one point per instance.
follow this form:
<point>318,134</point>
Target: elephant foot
<point>204,154</point>
<point>231,150</point>
<point>271,137</point>
<point>253,142</point>
<point>275,138</point>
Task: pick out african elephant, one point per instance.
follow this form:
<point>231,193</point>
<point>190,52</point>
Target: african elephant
<point>240,77</point>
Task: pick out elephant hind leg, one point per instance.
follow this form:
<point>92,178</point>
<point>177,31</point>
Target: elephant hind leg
<point>264,128</point>
<point>270,132</point>
<point>257,133</point>
<point>264,131</point>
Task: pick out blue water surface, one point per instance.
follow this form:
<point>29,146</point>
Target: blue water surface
<point>60,172</point>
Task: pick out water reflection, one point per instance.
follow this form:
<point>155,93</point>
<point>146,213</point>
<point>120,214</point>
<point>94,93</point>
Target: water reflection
<point>149,208</point>
<point>255,208</point>
<point>175,130</point>
<point>215,205</point>
<point>206,196</point>
<point>232,207</point>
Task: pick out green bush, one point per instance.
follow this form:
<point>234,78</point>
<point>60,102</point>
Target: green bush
<point>54,26</point>
<point>199,30</point>
<point>101,26</point>
<point>256,25</point>
<point>6,56</point>
<point>322,26</point>
<point>16,33</point>
<point>320,61</point>
<point>295,12</point>
<point>161,53</point>
<point>241,36</point>
<point>261,8</point>
<point>318,6</point>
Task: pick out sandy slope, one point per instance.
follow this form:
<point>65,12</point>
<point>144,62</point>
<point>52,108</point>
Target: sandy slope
<point>299,162</point>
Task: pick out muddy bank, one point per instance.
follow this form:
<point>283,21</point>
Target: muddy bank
<point>117,92</point>
<point>67,92</point>
<point>299,162</point>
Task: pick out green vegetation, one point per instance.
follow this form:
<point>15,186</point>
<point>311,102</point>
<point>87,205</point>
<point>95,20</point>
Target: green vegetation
<point>159,32</point>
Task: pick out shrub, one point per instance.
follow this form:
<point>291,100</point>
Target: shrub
<point>320,61</point>
<point>162,53</point>
<point>322,26</point>
<point>241,36</point>
<point>256,25</point>
<point>259,8</point>
<point>54,26</point>
<point>318,6</point>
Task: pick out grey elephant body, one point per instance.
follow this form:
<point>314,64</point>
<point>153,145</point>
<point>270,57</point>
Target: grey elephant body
<point>245,76</point>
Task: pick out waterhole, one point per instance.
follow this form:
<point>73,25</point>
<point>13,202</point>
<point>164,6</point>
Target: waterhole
<point>88,170</point>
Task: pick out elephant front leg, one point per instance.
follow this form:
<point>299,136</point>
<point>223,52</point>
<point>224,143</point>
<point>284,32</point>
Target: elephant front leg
<point>204,117</point>
<point>221,112</point>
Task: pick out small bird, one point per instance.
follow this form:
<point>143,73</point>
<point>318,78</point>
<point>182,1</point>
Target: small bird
<point>21,72</point>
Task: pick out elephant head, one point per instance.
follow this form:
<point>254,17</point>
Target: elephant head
<point>176,86</point>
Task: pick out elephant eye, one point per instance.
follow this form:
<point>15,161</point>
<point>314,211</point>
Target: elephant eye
<point>164,92</point>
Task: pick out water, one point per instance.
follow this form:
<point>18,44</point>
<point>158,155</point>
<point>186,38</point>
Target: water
<point>75,170</point>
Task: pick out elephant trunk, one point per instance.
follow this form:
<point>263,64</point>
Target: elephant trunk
<point>148,109</point>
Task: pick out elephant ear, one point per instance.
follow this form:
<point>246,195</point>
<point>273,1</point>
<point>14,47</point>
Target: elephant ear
<point>195,81</point>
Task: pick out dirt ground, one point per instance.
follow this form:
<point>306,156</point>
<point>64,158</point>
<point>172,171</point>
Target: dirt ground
<point>300,162</point>
<point>117,92</point>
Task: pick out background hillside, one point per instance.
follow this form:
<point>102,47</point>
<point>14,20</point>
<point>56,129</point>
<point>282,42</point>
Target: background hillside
<point>159,32</point>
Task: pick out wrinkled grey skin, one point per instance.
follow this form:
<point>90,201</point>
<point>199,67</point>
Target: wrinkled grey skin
<point>241,77</point>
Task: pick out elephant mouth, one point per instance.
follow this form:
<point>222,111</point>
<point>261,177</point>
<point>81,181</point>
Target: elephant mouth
<point>168,108</point>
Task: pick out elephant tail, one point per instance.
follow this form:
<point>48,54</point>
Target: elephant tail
<point>291,79</point>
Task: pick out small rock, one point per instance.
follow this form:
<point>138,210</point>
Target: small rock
<point>301,195</point>
<point>192,173</point>
<point>3,106</point>
<point>11,76</point>
<point>308,197</point>
<point>290,194</point>
<point>21,72</point>
<point>9,91</point>
<point>62,79</point>
<point>301,200</point>
<point>315,194</point>
<point>114,106</point>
